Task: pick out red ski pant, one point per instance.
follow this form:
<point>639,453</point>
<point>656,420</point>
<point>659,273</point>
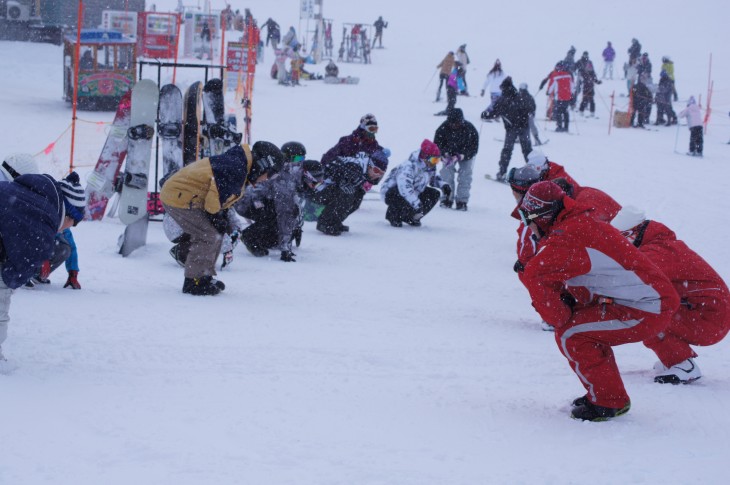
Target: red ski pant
<point>704,321</point>
<point>586,341</point>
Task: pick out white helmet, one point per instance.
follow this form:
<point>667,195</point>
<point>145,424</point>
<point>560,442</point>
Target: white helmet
<point>18,164</point>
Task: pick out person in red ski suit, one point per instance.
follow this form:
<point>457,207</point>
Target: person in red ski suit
<point>560,86</point>
<point>596,289</point>
<point>703,317</point>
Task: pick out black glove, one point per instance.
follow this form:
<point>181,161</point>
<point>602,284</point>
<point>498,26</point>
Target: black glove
<point>446,189</point>
<point>568,299</point>
<point>288,257</point>
<point>219,221</point>
<point>296,236</point>
<point>598,81</point>
<point>518,267</point>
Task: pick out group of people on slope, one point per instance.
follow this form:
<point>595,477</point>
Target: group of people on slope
<point>603,275</point>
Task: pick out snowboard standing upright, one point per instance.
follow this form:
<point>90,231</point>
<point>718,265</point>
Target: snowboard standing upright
<point>169,129</point>
<point>101,182</point>
<point>213,118</point>
<point>133,201</point>
<point>191,126</point>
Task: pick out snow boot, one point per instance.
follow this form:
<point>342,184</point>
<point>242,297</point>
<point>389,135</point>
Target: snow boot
<point>587,411</point>
<point>461,206</point>
<point>255,249</point>
<point>447,203</point>
<point>177,255</point>
<point>683,373</point>
<point>203,286</point>
<point>328,230</point>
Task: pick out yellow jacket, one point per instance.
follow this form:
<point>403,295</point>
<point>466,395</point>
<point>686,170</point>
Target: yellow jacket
<point>195,186</point>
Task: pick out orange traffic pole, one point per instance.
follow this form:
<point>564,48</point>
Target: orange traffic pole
<point>74,104</point>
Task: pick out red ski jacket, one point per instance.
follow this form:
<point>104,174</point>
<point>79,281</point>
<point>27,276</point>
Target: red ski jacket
<point>593,263</point>
<point>560,84</point>
<point>693,278</point>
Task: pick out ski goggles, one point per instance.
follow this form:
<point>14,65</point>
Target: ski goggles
<point>432,161</point>
<point>297,158</point>
<point>371,128</point>
<point>74,213</point>
<point>376,171</point>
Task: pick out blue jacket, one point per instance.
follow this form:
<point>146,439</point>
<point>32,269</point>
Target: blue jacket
<point>31,210</point>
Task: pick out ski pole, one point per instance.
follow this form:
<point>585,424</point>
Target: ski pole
<point>676,139</point>
<point>430,80</point>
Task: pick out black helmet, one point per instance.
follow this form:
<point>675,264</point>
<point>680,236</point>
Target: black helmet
<point>521,179</point>
<point>293,149</point>
<point>267,159</point>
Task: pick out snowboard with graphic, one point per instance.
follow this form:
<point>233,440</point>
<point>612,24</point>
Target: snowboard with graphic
<point>213,125</point>
<point>169,129</point>
<point>192,114</point>
<point>133,199</point>
<point>100,183</point>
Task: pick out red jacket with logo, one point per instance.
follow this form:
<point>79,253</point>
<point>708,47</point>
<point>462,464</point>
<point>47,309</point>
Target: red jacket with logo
<point>590,259</point>
<point>560,84</point>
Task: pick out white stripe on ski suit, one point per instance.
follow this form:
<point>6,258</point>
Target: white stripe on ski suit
<point>600,326</point>
<point>608,278</point>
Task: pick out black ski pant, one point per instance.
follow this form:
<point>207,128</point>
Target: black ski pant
<point>450,98</point>
<point>562,118</point>
<point>263,233</point>
<point>442,80</point>
<point>338,205</point>
<point>510,136</point>
<point>695,139</point>
<point>587,102</point>
<point>664,108</point>
<point>400,210</point>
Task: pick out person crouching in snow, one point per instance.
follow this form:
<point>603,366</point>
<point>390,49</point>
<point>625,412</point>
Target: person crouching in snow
<point>703,317</point>
<point>198,197</point>
<point>410,188</point>
<point>596,289</point>
<point>341,192</point>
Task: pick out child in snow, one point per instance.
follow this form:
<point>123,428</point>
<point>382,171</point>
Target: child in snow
<point>694,121</point>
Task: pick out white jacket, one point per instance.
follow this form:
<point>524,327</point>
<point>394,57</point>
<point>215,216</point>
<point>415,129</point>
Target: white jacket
<point>411,178</point>
<point>692,112</point>
<point>493,81</point>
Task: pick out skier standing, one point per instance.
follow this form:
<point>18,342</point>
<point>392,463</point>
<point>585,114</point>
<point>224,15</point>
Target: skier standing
<point>458,143</point>
<point>515,115</point>
<point>560,87</point>
<point>529,102</point>
<point>273,33</point>
<point>33,208</point>
<point>641,103</point>
<point>694,122</point>
<point>634,50</point>
<point>463,58</point>
<point>588,79</point>
<point>663,100</point>
<point>493,82</point>
<point>608,54</point>
<point>411,189</point>
<point>703,317</point>
<point>379,25</point>
<point>668,67</point>
<point>596,289</point>
<point>445,67</point>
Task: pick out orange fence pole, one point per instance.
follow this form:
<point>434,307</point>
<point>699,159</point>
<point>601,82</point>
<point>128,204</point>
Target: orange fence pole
<point>74,104</point>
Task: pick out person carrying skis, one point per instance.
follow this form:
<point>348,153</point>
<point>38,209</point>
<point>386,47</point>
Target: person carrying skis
<point>33,208</point>
<point>560,87</point>
<point>596,289</point>
<point>445,67</point>
<point>274,205</point>
<point>411,189</point>
<point>379,25</point>
<point>703,317</point>
<point>529,102</point>
<point>515,116</point>
<point>342,190</point>
<point>608,54</point>
<point>198,197</point>
<point>458,143</point>
<point>663,98</point>
<point>693,113</point>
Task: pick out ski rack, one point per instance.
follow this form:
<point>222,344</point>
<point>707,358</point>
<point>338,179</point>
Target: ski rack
<point>354,46</point>
<point>206,67</point>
